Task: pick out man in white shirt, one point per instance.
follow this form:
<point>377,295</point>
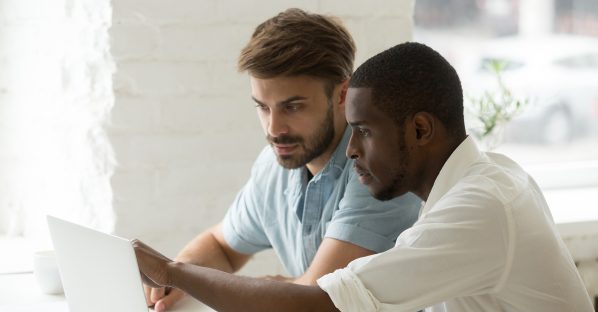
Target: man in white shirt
<point>484,241</point>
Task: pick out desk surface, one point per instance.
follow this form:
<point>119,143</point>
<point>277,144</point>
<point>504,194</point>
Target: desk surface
<point>20,293</point>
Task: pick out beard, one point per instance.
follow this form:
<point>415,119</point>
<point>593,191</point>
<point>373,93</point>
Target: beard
<point>390,191</point>
<point>311,147</point>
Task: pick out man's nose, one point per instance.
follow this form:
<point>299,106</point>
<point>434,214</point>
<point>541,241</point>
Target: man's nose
<point>277,125</point>
<point>352,151</point>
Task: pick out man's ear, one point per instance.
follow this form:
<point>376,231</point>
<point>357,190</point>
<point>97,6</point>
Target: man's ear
<point>344,86</point>
<point>425,127</point>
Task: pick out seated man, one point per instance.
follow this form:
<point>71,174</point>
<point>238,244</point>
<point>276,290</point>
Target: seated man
<point>484,241</point>
<point>302,199</point>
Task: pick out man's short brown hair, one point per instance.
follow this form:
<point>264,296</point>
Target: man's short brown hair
<point>295,43</point>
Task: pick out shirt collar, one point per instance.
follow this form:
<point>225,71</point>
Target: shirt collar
<point>452,171</point>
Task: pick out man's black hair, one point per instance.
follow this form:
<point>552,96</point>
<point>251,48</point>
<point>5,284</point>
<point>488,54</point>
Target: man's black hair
<point>412,77</point>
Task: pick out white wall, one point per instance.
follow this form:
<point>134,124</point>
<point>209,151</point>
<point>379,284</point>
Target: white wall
<point>159,149</point>
<point>183,127</point>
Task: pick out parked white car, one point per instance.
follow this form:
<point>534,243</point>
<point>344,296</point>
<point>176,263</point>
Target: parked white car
<point>558,74</point>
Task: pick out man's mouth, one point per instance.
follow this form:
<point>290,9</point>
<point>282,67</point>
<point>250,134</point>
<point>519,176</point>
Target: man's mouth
<point>284,145</point>
<point>365,177</point>
<point>284,149</point>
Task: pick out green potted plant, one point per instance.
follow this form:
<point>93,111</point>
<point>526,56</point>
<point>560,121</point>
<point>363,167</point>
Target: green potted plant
<point>491,111</point>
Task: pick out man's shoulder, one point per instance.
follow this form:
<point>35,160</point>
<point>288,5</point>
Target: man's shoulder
<point>490,184</point>
<point>499,176</point>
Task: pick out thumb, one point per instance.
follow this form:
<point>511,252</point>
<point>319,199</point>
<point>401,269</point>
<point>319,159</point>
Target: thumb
<point>169,300</point>
<point>159,306</point>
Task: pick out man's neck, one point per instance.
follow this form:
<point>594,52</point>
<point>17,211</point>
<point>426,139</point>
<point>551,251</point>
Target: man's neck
<point>431,172</point>
<point>309,176</point>
<point>317,164</point>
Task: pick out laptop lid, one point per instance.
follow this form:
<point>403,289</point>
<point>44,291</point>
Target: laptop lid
<point>99,271</point>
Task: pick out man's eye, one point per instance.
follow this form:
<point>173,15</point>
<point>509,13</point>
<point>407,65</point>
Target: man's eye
<point>292,107</point>
<point>364,132</point>
<point>262,107</point>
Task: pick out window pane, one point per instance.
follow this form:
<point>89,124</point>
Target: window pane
<point>546,53</point>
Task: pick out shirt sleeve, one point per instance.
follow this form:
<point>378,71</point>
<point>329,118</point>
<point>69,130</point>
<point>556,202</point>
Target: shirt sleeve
<point>459,250</point>
<point>369,223</point>
<point>243,226</point>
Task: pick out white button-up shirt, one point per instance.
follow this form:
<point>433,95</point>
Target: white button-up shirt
<point>485,241</point>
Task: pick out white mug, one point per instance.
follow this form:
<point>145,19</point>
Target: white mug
<point>45,269</point>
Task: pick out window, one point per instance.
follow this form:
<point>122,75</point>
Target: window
<point>550,52</point>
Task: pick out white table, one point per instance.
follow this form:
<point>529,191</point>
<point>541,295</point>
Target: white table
<point>20,293</point>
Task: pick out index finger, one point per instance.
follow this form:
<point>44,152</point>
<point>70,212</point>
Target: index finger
<point>157,294</point>
<point>148,292</point>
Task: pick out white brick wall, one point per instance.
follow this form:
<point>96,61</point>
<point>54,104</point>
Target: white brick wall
<point>183,128</point>
<point>178,115</point>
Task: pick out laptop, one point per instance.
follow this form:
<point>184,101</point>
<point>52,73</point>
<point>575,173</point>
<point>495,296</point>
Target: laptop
<point>99,271</point>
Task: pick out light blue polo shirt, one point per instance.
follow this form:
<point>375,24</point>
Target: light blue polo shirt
<point>278,208</point>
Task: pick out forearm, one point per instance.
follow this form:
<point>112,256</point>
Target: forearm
<point>207,250</point>
<point>308,281</point>
<point>332,254</point>
<point>227,292</point>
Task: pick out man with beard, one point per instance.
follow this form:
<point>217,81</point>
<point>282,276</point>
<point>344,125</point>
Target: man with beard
<point>302,199</point>
<point>484,240</point>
